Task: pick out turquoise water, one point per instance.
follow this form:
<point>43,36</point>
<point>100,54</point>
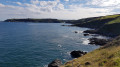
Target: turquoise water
<point>37,44</point>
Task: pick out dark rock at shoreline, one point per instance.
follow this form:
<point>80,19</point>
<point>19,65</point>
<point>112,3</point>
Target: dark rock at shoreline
<point>76,54</point>
<point>76,32</point>
<point>55,63</point>
<point>63,25</point>
<point>90,31</point>
<point>86,34</point>
<point>98,41</point>
<point>66,25</point>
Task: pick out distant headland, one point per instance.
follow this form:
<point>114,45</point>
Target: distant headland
<point>36,20</point>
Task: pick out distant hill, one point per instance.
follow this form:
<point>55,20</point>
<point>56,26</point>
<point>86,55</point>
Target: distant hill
<point>35,20</point>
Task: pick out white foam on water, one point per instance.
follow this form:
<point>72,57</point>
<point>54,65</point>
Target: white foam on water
<point>85,42</point>
<point>64,59</point>
<point>45,65</point>
<point>80,31</point>
<point>68,53</point>
<point>83,38</point>
<point>59,45</point>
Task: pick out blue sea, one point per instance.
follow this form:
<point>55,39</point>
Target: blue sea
<point>37,44</point>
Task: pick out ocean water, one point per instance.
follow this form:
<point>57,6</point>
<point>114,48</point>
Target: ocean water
<point>37,44</point>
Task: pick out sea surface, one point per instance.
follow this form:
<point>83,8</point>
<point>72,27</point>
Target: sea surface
<point>37,44</point>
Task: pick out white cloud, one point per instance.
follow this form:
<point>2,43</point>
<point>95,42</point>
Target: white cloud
<point>56,9</point>
<point>1,5</point>
<point>43,6</point>
<point>66,0</point>
<point>43,3</point>
<point>105,3</point>
<point>34,1</point>
<point>60,6</point>
<point>18,3</point>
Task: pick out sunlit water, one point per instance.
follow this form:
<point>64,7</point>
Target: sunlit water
<point>37,44</point>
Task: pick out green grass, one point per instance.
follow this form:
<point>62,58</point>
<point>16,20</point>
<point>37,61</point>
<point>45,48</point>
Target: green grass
<point>97,22</point>
<point>109,16</point>
<point>114,21</point>
<point>112,27</point>
<point>105,18</point>
<point>107,56</point>
<point>105,24</point>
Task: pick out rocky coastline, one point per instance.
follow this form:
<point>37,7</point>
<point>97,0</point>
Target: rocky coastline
<point>100,25</point>
<point>79,53</point>
<point>105,25</point>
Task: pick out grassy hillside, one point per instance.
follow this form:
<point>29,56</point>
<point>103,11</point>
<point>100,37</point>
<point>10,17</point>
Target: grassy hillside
<point>111,27</point>
<point>107,56</point>
<point>96,22</point>
<point>105,25</point>
<point>117,20</point>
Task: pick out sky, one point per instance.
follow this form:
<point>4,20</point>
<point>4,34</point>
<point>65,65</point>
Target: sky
<point>58,9</point>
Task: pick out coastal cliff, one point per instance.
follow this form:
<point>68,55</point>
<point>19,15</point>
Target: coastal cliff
<point>107,55</point>
<point>104,25</point>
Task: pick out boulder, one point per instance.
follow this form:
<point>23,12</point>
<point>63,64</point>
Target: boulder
<point>62,25</point>
<point>90,31</point>
<point>76,32</point>
<point>86,34</point>
<point>76,54</point>
<point>55,63</point>
<point>98,41</point>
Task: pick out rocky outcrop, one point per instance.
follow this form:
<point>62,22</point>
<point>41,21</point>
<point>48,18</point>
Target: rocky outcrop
<point>76,54</point>
<point>90,31</point>
<point>98,41</point>
<point>55,63</point>
<point>86,34</point>
<point>76,31</point>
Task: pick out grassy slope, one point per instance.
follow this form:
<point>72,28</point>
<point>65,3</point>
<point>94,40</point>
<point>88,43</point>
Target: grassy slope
<point>96,22</point>
<point>107,56</point>
<point>114,21</point>
<point>106,24</point>
<point>111,27</point>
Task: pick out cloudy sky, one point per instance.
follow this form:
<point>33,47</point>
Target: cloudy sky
<point>59,9</point>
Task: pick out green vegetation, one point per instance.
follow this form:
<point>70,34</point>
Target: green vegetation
<point>105,25</point>
<point>114,21</point>
<point>107,56</point>
<point>95,22</point>
<point>109,16</point>
<point>111,28</point>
